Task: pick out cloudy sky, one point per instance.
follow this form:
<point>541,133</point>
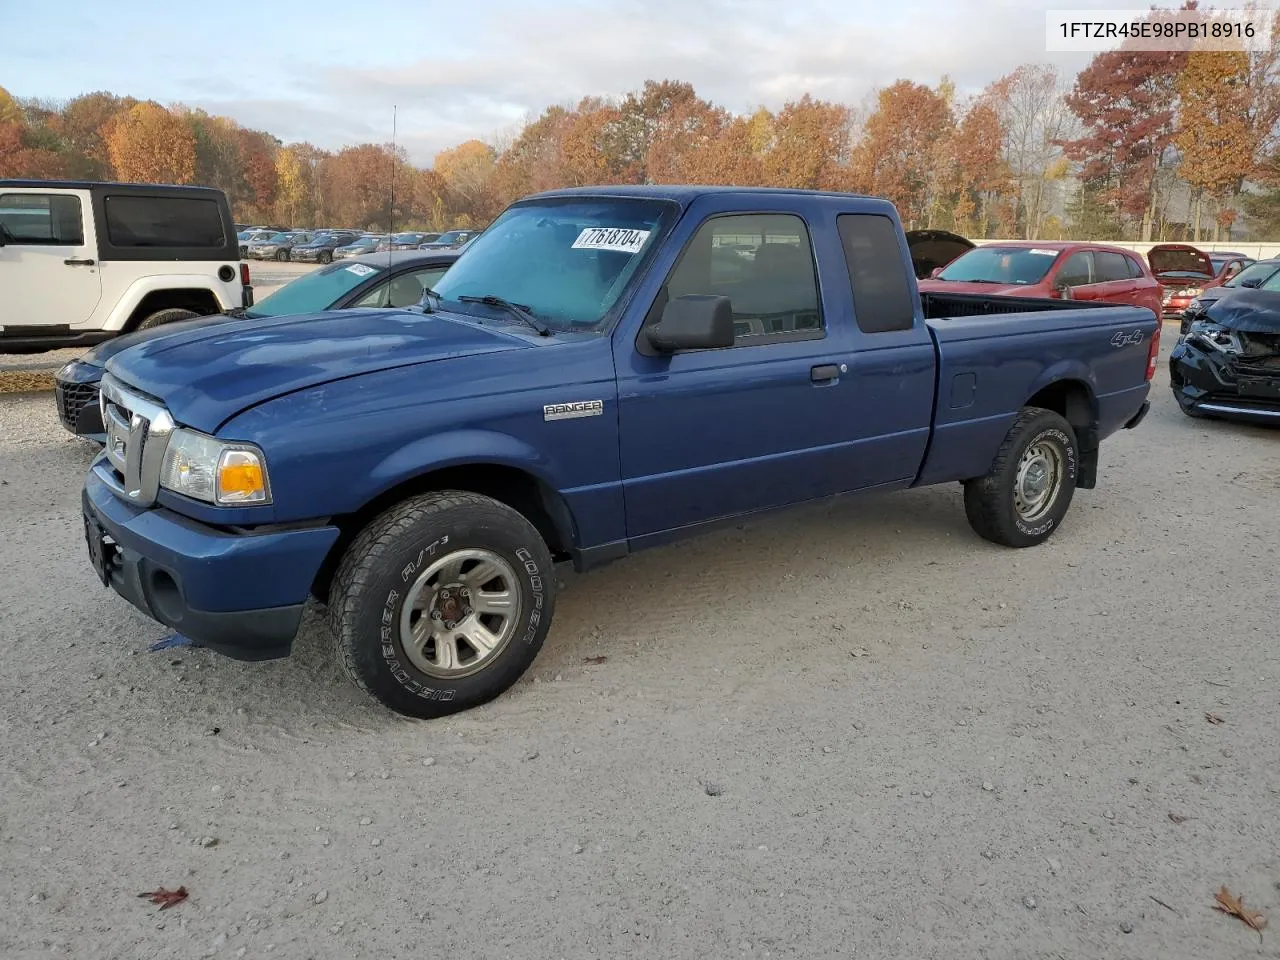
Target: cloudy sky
<point>329,72</point>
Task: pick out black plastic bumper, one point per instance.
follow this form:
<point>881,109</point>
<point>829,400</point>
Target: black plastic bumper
<point>1138,417</point>
<point>75,392</point>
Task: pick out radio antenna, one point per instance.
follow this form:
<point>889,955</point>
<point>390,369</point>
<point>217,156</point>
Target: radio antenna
<point>391,212</point>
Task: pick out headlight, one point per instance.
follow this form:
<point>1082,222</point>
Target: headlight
<point>1193,291</point>
<point>215,471</point>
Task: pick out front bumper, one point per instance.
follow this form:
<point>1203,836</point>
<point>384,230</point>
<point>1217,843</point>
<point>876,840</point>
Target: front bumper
<point>1205,385</point>
<point>75,391</point>
<point>240,594</point>
<point>308,256</point>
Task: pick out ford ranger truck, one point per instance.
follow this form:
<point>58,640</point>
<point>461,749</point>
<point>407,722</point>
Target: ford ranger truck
<point>607,369</point>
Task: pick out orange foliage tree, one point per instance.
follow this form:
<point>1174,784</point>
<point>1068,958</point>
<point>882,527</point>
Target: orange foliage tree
<point>148,144</point>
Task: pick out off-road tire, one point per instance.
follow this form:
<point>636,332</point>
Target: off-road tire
<point>161,317</point>
<point>989,500</point>
<point>381,565</point>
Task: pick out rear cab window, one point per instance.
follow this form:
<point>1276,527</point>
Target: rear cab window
<point>42,219</point>
<point>883,298</point>
<point>163,222</point>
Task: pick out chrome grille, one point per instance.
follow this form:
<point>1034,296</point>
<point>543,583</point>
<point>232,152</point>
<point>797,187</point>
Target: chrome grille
<point>138,432</point>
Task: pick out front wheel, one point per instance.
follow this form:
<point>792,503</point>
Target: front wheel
<point>1027,491</point>
<point>442,603</point>
<point>282,255</point>
<point>325,257</point>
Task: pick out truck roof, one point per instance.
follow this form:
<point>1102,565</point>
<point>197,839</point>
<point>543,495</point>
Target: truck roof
<point>686,193</point>
<point>106,184</point>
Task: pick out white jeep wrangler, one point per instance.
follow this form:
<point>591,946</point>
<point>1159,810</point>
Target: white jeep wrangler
<point>82,262</point>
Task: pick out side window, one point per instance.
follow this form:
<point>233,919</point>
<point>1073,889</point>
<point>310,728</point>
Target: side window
<point>142,221</point>
<point>1135,269</point>
<point>1109,266</point>
<point>1077,271</point>
<point>764,264</point>
<point>882,296</point>
<point>42,219</point>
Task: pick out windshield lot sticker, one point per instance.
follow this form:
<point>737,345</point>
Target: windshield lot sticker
<point>618,239</point>
<point>361,270</point>
<point>1046,253</point>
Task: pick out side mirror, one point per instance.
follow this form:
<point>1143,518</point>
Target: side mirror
<point>693,322</point>
<point>1064,291</point>
<point>934,272</point>
<point>1251,283</point>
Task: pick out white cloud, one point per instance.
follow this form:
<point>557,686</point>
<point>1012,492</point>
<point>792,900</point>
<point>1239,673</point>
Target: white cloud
<point>510,60</point>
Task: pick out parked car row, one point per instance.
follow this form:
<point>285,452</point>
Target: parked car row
<point>328,244</point>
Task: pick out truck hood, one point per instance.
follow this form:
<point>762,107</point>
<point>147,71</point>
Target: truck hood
<point>983,289</point>
<point>208,373</point>
<point>1180,259</point>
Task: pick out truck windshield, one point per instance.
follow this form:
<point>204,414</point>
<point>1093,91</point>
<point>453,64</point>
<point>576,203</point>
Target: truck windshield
<point>313,291</point>
<point>1014,265</point>
<point>567,260</point>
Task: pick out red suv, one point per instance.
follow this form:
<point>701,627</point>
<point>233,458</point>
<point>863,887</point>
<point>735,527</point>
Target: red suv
<point>1185,272</point>
<point>1035,268</point>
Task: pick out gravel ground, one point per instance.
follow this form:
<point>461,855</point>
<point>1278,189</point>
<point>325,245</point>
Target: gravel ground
<point>265,277</point>
<point>851,730</point>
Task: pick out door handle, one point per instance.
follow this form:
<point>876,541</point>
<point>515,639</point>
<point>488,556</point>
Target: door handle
<point>826,371</point>
<point>75,262</point>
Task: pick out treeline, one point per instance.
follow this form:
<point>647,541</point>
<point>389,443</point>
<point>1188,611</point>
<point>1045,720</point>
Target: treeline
<point>1138,146</point>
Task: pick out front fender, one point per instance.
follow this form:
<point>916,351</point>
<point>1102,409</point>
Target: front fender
<point>133,295</point>
<point>460,448</point>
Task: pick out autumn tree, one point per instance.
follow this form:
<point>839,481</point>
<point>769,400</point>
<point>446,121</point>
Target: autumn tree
<point>1031,102</point>
<point>148,144</point>
<point>810,145</point>
<point>641,116</point>
<point>1126,100</point>
<point>84,121</point>
<point>980,177</point>
<point>466,171</point>
<point>899,148</point>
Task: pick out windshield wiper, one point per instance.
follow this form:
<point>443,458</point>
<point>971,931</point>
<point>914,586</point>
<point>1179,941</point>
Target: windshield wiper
<point>517,310</point>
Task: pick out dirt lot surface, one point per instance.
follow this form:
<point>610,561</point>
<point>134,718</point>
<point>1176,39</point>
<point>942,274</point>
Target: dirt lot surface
<point>854,730</point>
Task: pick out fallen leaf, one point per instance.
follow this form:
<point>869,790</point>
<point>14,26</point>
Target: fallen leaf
<point>1178,818</point>
<point>166,898</point>
<point>1236,908</point>
<point>1214,718</point>
<point>596,660</point>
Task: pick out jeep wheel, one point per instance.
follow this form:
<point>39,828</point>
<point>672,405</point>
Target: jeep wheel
<point>442,603</point>
<point>325,257</point>
<point>282,255</point>
<point>1026,493</point>
<point>161,317</point>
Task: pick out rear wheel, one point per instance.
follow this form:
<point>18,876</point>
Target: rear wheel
<point>161,317</point>
<point>325,257</point>
<point>442,603</point>
<point>282,255</point>
<point>1027,491</point>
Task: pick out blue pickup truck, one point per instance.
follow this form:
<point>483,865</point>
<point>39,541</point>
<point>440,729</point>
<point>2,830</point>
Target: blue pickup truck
<point>607,369</point>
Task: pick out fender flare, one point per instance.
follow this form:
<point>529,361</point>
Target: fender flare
<point>158,283</point>
<point>474,448</point>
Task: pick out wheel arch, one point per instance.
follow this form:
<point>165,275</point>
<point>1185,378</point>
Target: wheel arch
<point>514,485</point>
<point>203,301</point>
<point>1074,399</point>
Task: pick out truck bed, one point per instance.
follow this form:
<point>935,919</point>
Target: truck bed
<point>991,359</point>
<point>938,305</point>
